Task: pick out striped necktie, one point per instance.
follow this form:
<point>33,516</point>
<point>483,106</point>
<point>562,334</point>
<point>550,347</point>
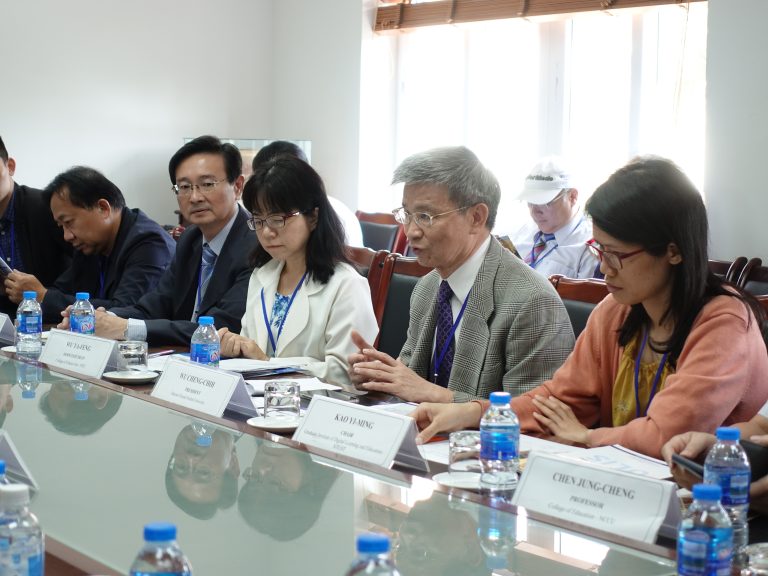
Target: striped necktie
<point>539,243</point>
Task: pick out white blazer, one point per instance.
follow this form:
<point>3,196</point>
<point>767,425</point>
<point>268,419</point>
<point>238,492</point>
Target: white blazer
<point>317,330</point>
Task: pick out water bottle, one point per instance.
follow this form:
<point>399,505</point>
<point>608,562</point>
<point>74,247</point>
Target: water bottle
<point>29,326</point>
<point>497,530</point>
<point>206,346</point>
<point>373,557</point>
<point>499,442</point>
<point>160,553</point>
<point>705,535</point>
<point>727,466</point>
<point>82,316</point>
<point>21,540</point>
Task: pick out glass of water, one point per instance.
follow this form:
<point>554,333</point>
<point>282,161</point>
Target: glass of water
<point>133,355</point>
<point>281,399</point>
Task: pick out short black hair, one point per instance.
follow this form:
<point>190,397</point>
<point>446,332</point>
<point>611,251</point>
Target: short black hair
<point>233,161</point>
<point>86,187</point>
<point>287,184</point>
<point>277,148</point>
<point>3,150</point>
<point>83,418</point>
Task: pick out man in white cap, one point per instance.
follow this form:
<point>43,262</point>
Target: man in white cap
<point>554,242</point>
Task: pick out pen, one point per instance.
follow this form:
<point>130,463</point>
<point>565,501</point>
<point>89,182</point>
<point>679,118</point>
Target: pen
<point>161,353</point>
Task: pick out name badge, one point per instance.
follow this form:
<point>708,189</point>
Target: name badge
<point>616,502</point>
<point>196,386</point>
<point>374,436</point>
<point>81,353</point>
<point>7,329</point>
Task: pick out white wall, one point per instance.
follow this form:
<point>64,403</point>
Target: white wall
<point>737,128</point>
<point>118,85</point>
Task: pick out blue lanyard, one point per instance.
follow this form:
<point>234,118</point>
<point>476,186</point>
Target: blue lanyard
<point>437,360</point>
<point>655,378</point>
<point>272,339</point>
<point>541,257</point>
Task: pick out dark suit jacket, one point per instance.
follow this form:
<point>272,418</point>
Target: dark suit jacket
<point>168,308</point>
<point>44,252</point>
<point>514,335</point>
<point>141,254</point>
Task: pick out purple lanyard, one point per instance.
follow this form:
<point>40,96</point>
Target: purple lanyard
<point>437,360</point>
<point>655,378</point>
<point>272,339</point>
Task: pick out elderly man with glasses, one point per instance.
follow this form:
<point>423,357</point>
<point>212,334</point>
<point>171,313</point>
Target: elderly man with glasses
<point>210,272</point>
<point>482,320</point>
<point>553,242</point>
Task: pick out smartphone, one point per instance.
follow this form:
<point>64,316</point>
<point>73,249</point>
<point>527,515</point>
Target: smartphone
<point>338,394</point>
<point>693,467</point>
<point>4,268</point>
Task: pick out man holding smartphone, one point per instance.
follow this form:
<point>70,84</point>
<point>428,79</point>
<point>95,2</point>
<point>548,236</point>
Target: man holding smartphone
<point>30,241</point>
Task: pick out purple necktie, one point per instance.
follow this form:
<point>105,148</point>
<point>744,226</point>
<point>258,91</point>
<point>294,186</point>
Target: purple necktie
<point>442,333</point>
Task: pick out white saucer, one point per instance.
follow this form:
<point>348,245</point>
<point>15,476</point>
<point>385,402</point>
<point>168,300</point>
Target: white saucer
<point>464,480</point>
<point>274,423</point>
<point>11,349</point>
<point>131,376</point>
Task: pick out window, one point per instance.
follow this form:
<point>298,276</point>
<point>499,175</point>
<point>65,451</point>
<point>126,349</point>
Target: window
<point>596,87</point>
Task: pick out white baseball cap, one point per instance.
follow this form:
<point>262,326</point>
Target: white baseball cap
<point>545,181</point>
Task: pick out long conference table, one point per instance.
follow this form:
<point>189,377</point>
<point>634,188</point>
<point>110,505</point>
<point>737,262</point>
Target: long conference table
<point>250,502</point>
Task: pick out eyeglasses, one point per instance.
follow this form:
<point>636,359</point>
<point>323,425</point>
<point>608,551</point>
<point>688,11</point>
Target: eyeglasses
<point>552,202</point>
<point>273,222</point>
<point>205,187</point>
<point>613,259</point>
<point>422,219</point>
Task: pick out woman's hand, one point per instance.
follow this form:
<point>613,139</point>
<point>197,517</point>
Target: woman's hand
<point>234,345</point>
<point>559,419</point>
<point>692,445</point>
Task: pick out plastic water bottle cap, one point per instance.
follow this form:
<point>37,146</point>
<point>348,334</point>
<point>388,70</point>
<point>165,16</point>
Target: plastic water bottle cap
<point>27,394</point>
<point>159,532</point>
<point>370,543</point>
<point>725,433</point>
<point>711,492</point>
<point>81,395</point>
<point>2,466</point>
<point>500,397</point>
<point>14,495</point>
<point>30,295</point>
<point>204,441</point>
<point>205,321</point>
<point>83,296</point>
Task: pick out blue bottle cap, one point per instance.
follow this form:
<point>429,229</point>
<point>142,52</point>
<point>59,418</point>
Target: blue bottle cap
<point>81,395</point>
<point>725,433</point>
<point>372,543</point>
<point>30,295</point>
<point>205,321</point>
<point>83,296</point>
<point>500,397</point>
<point>2,466</point>
<point>159,532</point>
<point>710,492</point>
<point>204,441</point>
<point>27,394</point>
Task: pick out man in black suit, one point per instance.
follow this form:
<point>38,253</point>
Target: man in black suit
<point>30,241</point>
<point>210,272</point>
<point>120,253</point>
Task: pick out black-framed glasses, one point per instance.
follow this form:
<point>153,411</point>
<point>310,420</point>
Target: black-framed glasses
<point>275,222</point>
<point>205,187</point>
<point>613,259</point>
<point>422,219</point>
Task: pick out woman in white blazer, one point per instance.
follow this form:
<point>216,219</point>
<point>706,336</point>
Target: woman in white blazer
<point>304,299</point>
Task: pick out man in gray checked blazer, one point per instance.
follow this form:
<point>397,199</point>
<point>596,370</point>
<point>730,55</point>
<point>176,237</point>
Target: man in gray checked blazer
<point>482,320</point>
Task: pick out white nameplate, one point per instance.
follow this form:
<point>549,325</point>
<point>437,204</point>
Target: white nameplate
<point>616,502</point>
<point>196,386</point>
<point>7,329</point>
<point>360,432</point>
<point>81,353</point>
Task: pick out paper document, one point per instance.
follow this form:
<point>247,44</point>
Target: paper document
<point>435,451</point>
<point>620,459</point>
<point>256,387</point>
<point>158,363</point>
<point>255,368</point>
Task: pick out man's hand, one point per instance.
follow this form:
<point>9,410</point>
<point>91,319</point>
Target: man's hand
<point>234,345</point>
<point>559,419</point>
<point>434,418</point>
<point>17,282</point>
<point>107,325</point>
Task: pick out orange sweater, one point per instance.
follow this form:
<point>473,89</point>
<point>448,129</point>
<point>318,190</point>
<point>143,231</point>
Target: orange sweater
<point>721,378</point>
